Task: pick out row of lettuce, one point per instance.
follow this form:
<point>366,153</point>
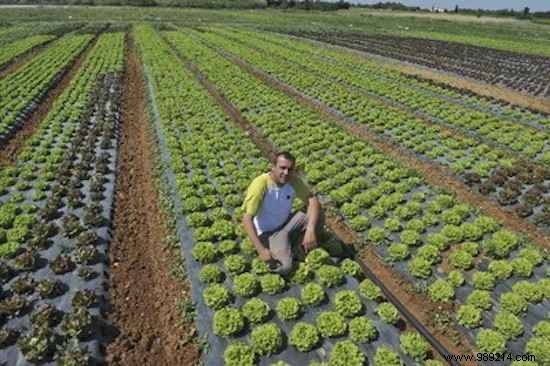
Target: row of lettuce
<point>55,205</point>
<point>251,310</point>
<point>524,140</point>
<point>372,68</point>
<point>22,90</point>
<point>440,243</point>
<point>382,71</point>
<point>16,32</point>
<point>492,171</point>
<point>14,49</point>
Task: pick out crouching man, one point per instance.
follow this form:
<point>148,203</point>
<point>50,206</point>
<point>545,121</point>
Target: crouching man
<point>268,220</point>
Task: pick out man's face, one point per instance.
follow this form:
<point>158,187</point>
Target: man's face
<point>282,170</point>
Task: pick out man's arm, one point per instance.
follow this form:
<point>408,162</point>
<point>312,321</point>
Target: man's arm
<point>313,212</point>
<point>251,205</point>
<point>263,252</point>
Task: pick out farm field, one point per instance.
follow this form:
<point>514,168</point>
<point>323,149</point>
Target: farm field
<point>128,138</point>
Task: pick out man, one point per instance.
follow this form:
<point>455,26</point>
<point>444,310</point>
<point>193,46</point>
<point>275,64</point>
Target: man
<point>268,220</point>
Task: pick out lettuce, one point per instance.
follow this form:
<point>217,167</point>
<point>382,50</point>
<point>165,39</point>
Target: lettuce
<point>239,354</point>
<point>266,339</point>
<point>345,353</point>
<point>227,321</point>
<point>312,294</point>
<point>441,290</point>
<point>216,296</point>
<point>246,284</point>
<point>483,280</point>
<point>513,303</point>
<point>331,324</point>
<point>361,330</point>
<point>211,273</point>
<point>388,313</point>
<point>469,316</point>
<point>420,267</point>
<point>289,308</point>
<point>370,291</point>
<point>330,276</point>
<point>235,264</point>
<point>347,303</point>
<point>304,336</point>
<point>384,356</point>
<point>480,299</point>
<point>414,345</point>
<point>490,341</point>
<point>272,283</point>
<point>461,259</point>
<point>509,325</point>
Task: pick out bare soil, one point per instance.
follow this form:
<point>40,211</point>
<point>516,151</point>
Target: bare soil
<point>499,92</point>
<point>438,176</point>
<point>17,141</point>
<point>421,307</point>
<point>434,15</point>
<point>143,293</point>
<point>495,91</point>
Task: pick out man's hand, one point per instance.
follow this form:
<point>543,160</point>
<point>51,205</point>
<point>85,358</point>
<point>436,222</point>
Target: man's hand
<point>263,252</point>
<point>310,240</point>
<point>265,255</point>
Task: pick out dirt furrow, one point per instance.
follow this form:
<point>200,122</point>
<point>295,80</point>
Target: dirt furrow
<point>495,91</point>
<point>144,294</point>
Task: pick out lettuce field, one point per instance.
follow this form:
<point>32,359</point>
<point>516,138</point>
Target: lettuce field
<point>126,148</point>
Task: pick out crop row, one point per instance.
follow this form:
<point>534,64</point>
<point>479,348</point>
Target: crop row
<point>370,67</point>
<point>485,64</point>
<point>55,207</point>
<point>16,32</point>
<point>413,225</point>
<point>14,49</point>
<point>251,314</point>
<point>401,92</point>
<point>490,170</point>
<point>11,33</point>
<point>440,111</point>
<point>21,91</point>
<point>498,107</point>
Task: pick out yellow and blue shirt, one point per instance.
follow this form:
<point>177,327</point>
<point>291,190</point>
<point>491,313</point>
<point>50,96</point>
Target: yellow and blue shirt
<point>271,205</point>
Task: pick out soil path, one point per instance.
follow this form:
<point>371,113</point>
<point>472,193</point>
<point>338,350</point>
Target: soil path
<point>17,141</point>
<point>143,293</point>
<point>494,91</point>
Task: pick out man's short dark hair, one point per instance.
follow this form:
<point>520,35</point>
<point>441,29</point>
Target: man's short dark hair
<point>285,154</point>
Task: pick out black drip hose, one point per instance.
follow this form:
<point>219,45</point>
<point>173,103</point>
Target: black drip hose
<point>408,316</point>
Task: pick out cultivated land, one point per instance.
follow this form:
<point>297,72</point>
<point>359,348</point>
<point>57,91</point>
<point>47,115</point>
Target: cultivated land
<point>128,137</point>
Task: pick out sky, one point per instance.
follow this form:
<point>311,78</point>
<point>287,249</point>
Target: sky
<point>534,5</point>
